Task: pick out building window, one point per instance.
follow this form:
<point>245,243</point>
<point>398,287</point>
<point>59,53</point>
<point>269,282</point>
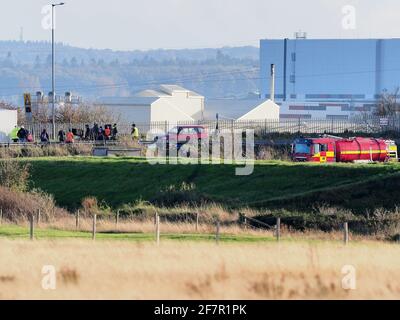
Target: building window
<point>335,96</point>
<point>295,116</point>
<point>337,117</point>
<point>310,108</point>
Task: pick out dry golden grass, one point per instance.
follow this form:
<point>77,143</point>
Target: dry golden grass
<point>122,270</point>
<point>146,226</point>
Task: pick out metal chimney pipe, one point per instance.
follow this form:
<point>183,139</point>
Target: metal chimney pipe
<point>272,93</point>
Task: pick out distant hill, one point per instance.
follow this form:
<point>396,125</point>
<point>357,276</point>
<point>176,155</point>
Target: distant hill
<point>223,72</point>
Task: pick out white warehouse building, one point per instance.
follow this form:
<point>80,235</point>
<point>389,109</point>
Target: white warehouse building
<point>241,109</point>
<point>170,103</point>
<point>8,121</point>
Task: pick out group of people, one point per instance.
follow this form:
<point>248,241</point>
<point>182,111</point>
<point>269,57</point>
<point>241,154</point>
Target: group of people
<point>62,136</point>
<point>109,132</point>
<point>96,133</point>
<point>20,134</point>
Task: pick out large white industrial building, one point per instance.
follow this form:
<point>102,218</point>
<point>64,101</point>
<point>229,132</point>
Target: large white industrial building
<point>8,121</point>
<point>173,104</point>
<point>169,103</point>
<point>329,78</point>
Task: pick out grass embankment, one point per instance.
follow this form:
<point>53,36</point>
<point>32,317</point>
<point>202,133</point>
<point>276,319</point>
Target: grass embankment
<point>117,181</point>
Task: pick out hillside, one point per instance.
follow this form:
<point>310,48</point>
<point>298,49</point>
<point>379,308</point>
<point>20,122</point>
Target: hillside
<point>272,185</point>
<point>223,72</point>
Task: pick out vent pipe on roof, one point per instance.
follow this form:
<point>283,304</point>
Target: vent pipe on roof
<point>272,93</point>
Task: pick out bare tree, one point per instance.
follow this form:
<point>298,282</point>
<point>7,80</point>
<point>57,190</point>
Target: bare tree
<point>388,105</point>
<point>71,114</point>
<point>7,106</point>
<point>85,113</point>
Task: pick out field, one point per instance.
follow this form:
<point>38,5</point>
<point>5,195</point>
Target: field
<point>188,270</point>
<point>273,184</point>
<point>125,263</point>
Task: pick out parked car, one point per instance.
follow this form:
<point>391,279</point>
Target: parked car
<point>185,133</point>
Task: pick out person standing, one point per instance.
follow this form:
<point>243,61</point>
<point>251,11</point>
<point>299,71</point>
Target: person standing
<point>87,132</point>
<point>95,130</point>
<point>107,132</point>
<point>22,134</point>
<point>70,137</point>
<point>61,136</point>
<point>44,137</point>
<point>14,134</point>
<point>135,133</point>
<point>100,135</point>
<point>114,132</point>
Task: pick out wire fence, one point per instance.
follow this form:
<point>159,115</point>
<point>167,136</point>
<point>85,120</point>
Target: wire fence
<point>366,125</point>
<point>191,227</point>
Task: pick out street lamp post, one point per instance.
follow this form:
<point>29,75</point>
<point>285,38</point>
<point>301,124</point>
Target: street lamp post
<point>53,80</point>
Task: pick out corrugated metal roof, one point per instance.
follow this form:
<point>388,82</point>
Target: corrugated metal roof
<point>170,88</point>
<point>145,97</point>
<point>151,93</point>
<point>130,101</point>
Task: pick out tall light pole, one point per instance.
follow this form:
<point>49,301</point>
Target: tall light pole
<point>53,78</point>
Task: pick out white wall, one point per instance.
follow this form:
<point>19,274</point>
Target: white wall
<point>167,110</point>
<point>267,110</point>
<point>8,120</point>
<point>188,104</point>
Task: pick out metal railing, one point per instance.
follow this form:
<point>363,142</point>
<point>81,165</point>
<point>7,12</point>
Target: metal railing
<point>364,125</point>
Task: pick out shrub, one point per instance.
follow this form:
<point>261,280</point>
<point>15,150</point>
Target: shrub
<point>181,194</point>
<point>143,210</point>
<point>34,151</point>
<point>91,207</point>
<point>271,153</point>
<point>14,174</point>
<point>18,206</point>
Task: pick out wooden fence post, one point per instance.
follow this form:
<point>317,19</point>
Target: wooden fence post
<point>38,217</point>
<point>278,229</point>
<point>158,229</point>
<point>117,219</point>
<point>346,233</point>
<point>77,218</point>
<point>1,216</point>
<point>31,226</point>
<point>197,222</point>
<point>94,227</point>
<point>217,232</point>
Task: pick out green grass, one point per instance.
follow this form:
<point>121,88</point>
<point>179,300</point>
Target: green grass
<point>18,232</point>
<point>122,180</point>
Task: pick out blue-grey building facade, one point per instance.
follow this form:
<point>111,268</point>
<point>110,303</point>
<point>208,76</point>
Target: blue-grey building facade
<point>348,75</point>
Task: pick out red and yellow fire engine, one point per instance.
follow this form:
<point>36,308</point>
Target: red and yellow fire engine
<point>335,149</point>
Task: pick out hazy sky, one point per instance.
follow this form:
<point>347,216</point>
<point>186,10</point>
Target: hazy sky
<point>149,24</point>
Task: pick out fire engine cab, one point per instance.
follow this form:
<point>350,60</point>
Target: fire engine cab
<point>314,150</point>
